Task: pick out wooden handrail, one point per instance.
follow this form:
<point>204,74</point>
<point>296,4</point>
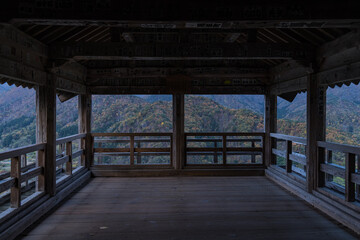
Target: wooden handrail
<point>245,134</point>
<point>294,139</point>
<point>70,138</point>
<point>20,151</point>
<point>129,134</point>
<point>339,147</point>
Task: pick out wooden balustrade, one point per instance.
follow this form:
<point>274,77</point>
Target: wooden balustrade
<point>19,174</point>
<point>224,150</point>
<point>67,155</point>
<point>133,147</point>
<point>348,172</point>
<point>290,155</point>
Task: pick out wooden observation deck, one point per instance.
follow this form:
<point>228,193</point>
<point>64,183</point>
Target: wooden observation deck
<point>84,48</point>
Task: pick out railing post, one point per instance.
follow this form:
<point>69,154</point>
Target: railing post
<point>138,156</point>
<point>215,153</point>
<point>41,178</point>
<point>46,130</point>
<point>288,152</point>
<point>320,179</point>
<point>15,195</point>
<point>68,168</point>
<point>224,149</point>
<point>329,156</point>
<point>270,127</point>
<point>349,185</point>
<point>253,156</point>
<point>83,147</point>
<point>132,149</point>
<point>316,107</point>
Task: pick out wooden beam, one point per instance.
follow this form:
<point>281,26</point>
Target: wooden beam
<point>172,51</point>
<point>270,126</point>
<point>70,70</point>
<point>85,105</point>
<point>167,90</point>
<point>316,127</point>
<point>178,147</point>
<point>21,72</point>
<point>18,46</point>
<point>212,72</point>
<point>46,130</point>
<point>69,86</point>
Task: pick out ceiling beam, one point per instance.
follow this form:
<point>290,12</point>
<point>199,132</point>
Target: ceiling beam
<point>163,72</point>
<point>294,13</point>
<point>175,51</point>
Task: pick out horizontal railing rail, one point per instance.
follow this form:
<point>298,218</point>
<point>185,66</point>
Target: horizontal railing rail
<point>350,171</point>
<point>224,150</point>
<point>134,147</point>
<point>289,155</point>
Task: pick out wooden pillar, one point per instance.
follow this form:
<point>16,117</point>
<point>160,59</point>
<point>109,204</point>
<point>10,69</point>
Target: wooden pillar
<point>178,131</point>
<point>46,131</point>
<point>316,107</point>
<point>85,105</point>
<point>270,127</point>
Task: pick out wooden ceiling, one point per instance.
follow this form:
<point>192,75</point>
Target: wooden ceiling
<point>209,43</point>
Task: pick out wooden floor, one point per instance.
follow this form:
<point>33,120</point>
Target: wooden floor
<point>185,208</point>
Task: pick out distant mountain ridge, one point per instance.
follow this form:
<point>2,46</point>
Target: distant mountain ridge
<point>152,113</point>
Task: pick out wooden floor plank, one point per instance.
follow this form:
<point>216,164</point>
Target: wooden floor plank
<point>185,208</point>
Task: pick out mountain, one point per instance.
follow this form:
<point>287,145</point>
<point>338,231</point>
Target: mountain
<point>4,88</point>
<point>148,113</point>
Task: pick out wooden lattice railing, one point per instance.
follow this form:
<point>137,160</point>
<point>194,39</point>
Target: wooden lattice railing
<point>65,155</point>
<point>289,158</point>
<point>134,149</point>
<point>342,176</point>
<point>21,172</point>
<point>224,149</point>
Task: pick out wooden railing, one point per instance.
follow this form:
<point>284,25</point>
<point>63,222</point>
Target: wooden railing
<point>66,155</point>
<point>289,154</point>
<point>132,146</point>
<point>224,150</point>
<point>20,172</point>
<point>349,172</point>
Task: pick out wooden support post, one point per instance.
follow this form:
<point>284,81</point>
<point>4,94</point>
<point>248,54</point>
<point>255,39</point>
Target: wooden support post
<point>316,107</point>
<point>68,168</point>
<point>288,152</point>
<point>85,127</point>
<point>15,195</point>
<point>46,130</point>
<point>224,149</point>
<point>132,149</point>
<point>270,127</point>
<point>178,147</point>
<point>349,185</point>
